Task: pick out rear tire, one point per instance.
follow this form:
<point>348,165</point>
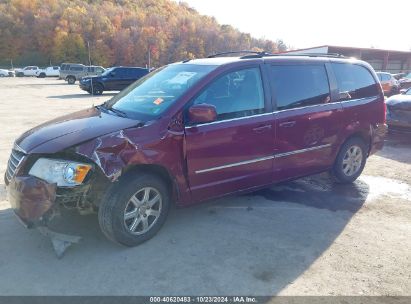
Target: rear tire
<point>350,161</point>
<point>134,209</point>
<point>71,80</point>
<point>42,75</point>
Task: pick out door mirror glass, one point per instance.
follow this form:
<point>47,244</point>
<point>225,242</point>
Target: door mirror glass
<point>202,113</point>
<point>112,74</point>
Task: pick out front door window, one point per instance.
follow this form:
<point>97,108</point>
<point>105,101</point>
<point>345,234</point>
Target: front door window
<point>235,94</point>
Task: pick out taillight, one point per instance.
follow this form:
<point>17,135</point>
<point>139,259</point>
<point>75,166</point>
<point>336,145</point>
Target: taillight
<point>384,111</point>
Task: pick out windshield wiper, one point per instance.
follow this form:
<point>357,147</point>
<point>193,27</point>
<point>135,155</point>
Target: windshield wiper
<point>104,107</point>
<point>118,112</point>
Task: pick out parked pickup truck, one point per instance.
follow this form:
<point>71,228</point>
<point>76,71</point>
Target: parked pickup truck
<point>51,71</point>
<point>27,71</point>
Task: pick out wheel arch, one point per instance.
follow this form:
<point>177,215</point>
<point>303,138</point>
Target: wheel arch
<point>156,170</point>
<point>100,83</point>
<point>364,135</point>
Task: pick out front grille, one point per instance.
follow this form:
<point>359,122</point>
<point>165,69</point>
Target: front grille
<point>16,158</point>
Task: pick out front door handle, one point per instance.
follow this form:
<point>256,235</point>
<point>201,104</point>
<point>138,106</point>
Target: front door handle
<point>261,129</point>
<point>288,124</point>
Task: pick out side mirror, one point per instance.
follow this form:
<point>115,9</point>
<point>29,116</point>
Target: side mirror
<point>202,113</point>
<point>402,91</point>
<point>112,74</point>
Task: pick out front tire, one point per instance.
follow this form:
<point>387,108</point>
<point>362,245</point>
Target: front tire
<point>135,209</point>
<point>350,161</point>
<point>97,89</point>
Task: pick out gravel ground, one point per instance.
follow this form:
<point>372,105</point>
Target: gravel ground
<point>307,237</point>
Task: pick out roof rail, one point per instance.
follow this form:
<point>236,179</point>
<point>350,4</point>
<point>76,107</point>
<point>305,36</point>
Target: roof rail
<point>333,55</point>
<point>255,54</point>
<point>234,52</point>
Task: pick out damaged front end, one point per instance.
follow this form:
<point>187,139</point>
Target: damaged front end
<point>36,198</point>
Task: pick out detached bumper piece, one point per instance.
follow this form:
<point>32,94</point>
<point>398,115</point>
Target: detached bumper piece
<point>33,201</point>
<point>61,242</point>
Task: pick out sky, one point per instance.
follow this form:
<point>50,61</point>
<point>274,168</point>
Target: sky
<point>303,24</point>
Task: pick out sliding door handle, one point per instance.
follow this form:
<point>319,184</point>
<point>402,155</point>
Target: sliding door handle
<point>287,124</point>
<point>262,129</point>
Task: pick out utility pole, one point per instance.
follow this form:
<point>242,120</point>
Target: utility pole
<point>11,62</point>
<point>149,57</point>
<point>89,63</point>
<point>89,56</point>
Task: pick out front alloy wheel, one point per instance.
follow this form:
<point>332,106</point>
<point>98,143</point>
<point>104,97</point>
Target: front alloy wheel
<point>142,210</point>
<point>134,208</point>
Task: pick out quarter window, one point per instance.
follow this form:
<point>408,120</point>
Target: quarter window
<point>300,85</point>
<point>236,94</point>
<point>354,81</point>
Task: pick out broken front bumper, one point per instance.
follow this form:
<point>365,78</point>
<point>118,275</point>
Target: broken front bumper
<point>31,198</point>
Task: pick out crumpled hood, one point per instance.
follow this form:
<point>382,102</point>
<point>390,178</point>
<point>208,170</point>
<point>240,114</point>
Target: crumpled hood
<point>399,102</point>
<point>72,129</point>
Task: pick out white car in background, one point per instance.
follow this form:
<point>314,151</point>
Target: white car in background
<point>51,71</point>
<point>6,73</point>
<point>27,71</point>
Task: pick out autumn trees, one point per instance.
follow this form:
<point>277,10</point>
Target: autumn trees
<point>119,32</point>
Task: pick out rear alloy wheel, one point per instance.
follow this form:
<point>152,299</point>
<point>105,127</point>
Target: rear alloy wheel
<point>350,161</point>
<point>134,209</point>
<point>71,80</point>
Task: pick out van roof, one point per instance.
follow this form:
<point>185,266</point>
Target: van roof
<point>273,58</point>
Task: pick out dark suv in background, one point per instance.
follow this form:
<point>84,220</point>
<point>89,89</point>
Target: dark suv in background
<point>196,130</point>
<point>113,79</point>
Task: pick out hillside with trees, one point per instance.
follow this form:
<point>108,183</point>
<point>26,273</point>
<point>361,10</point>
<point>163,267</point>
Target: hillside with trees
<point>119,32</point>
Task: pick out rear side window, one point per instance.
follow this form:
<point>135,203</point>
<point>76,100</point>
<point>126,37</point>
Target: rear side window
<point>76,68</point>
<point>354,81</point>
<point>119,73</point>
<point>131,73</point>
<point>300,85</point>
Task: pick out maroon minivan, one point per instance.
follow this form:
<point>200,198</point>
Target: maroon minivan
<point>197,130</point>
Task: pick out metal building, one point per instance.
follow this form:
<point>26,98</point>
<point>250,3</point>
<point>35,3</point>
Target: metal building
<point>381,60</point>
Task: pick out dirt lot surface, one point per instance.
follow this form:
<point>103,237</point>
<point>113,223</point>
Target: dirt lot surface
<point>307,237</point>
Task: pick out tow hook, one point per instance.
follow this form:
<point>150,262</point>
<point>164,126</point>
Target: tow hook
<point>61,242</point>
